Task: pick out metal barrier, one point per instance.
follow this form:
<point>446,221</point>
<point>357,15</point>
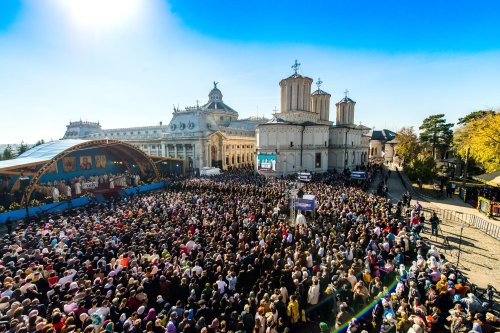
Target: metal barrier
<point>471,220</point>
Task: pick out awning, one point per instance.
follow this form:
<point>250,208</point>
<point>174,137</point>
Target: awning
<point>492,179</point>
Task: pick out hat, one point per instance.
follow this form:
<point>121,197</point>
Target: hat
<point>141,309</point>
<point>40,325</point>
<point>171,327</point>
<point>83,317</point>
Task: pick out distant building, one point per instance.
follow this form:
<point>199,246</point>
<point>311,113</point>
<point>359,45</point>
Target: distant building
<point>210,135</point>
<point>383,146</point>
<point>301,136</point>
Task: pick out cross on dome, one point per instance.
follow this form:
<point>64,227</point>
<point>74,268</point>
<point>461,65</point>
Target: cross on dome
<point>319,83</point>
<point>346,92</point>
<point>296,66</point>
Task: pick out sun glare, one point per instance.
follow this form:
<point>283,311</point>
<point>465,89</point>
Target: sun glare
<point>100,14</point>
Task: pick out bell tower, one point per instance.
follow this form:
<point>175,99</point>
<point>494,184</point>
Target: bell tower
<point>320,102</point>
<point>345,110</point>
<point>296,91</point>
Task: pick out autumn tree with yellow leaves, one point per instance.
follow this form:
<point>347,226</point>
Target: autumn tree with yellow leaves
<point>480,134</point>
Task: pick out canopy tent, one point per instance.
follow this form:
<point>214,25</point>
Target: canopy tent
<point>491,179</point>
<point>42,159</point>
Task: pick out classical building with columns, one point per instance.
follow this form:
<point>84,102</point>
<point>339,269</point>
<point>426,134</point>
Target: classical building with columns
<point>210,135</point>
<point>301,136</point>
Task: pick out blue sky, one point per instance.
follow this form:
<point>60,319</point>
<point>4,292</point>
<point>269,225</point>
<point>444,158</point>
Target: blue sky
<point>127,62</point>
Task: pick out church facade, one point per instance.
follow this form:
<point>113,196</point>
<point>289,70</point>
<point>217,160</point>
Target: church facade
<point>210,135</point>
<point>301,136</point>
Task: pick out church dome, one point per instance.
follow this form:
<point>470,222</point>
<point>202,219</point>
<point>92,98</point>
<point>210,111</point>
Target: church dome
<point>215,94</point>
<point>215,102</point>
<point>346,100</point>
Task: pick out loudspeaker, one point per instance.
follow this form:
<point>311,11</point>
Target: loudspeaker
<point>23,182</point>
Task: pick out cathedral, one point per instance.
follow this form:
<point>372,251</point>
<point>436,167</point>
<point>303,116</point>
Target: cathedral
<point>209,135</point>
<point>301,136</point>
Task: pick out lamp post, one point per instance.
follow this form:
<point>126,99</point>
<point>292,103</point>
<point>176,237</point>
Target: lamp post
<point>256,161</point>
<point>460,244</point>
<point>345,149</point>
<point>283,165</point>
<point>464,180</point>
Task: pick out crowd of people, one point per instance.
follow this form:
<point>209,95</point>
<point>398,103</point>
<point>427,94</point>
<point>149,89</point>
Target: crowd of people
<point>78,185</point>
<point>218,254</point>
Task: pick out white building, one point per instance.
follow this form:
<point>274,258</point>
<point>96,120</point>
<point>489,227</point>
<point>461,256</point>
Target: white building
<point>301,136</point>
<point>210,135</point>
<point>383,146</point>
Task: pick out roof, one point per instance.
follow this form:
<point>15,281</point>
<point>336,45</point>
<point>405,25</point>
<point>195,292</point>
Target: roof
<point>217,106</point>
<point>281,121</point>
<point>278,121</point>
<point>320,92</point>
<point>382,135</point>
<point>215,102</point>
<point>350,126</point>
<point>295,76</point>
<point>247,124</point>
<point>492,178</point>
<point>41,153</point>
<point>346,100</point>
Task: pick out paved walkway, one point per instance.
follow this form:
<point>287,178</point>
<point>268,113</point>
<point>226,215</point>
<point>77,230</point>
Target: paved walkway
<point>479,255</point>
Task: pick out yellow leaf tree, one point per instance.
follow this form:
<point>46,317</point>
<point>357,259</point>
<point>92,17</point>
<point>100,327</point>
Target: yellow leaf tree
<point>482,137</point>
<point>408,147</point>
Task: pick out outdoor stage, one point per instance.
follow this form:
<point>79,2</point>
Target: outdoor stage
<point>78,202</point>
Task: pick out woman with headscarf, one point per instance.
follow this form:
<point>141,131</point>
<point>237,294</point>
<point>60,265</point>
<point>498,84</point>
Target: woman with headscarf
<point>151,316</point>
<point>109,327</point>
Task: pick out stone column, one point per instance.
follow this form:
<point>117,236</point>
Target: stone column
<point>300,96</point>
<point>223,150</point>
<point>209,155</point>
<point>163,152</point>
<point>175,151</point>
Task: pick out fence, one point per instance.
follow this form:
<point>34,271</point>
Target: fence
<point>470,220</point>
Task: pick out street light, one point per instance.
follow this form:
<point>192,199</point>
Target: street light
<point>460,243</point>
<point>345,149</point>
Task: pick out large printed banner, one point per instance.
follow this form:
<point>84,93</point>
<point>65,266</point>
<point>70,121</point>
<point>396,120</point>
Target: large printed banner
<point>89,185</point>
<point>305,204</point>
<point>266,162</point>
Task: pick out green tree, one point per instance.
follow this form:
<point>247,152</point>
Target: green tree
<point>473,116</point>
<point>8,153</point>
<point>39,142</point>
<point>481,137</point>
<point>22,148</point>
<point>423,168</point>
<point>408,147</point>
<point>436,133</point>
